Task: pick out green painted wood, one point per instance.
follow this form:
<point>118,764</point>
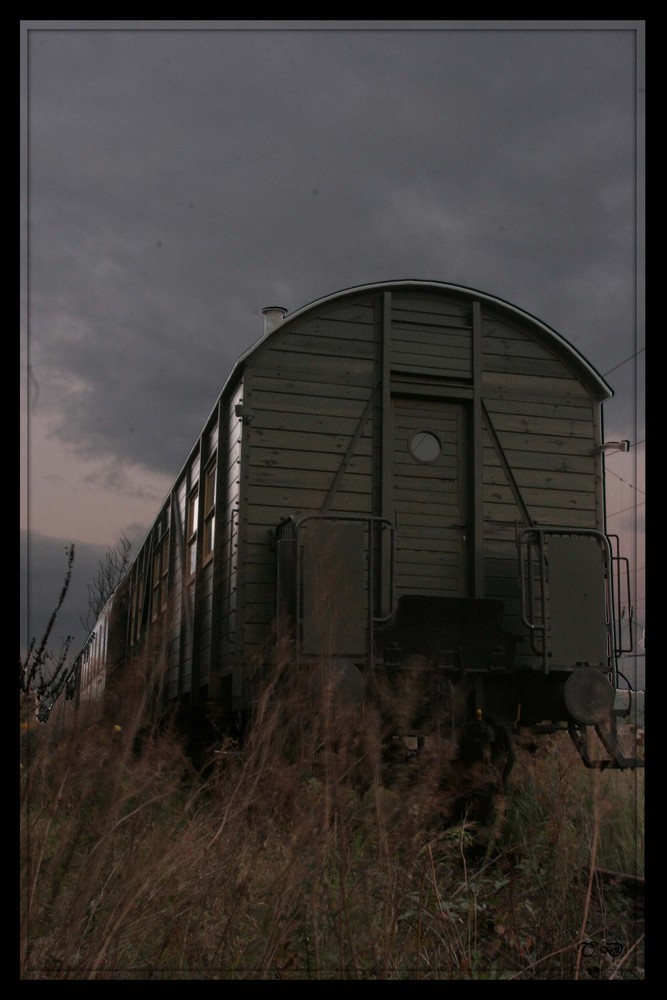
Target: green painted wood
<point>549,462</point>
<point>428,305</point>
<point>558,499</point>
<point>324,423</point>
<point>418,502</point>
<point>307,386</point>
<point>325,462</point>
<point>537,424</point>
<point>415,358</point>
<point>290,478</point>
<point>526,406</point>
<point>546,444</point>
<point>335,347</point>
<point>430,337</point>
<point>304,440</point>
<point>533,386</point>
<point>568,517</point>
<point>330,368</point>
<point>476,465</point>
<point>539,367</point>
<point>336,400</point>
<point>438,340</point>
<point>538,478</point>
<point>268,515</point>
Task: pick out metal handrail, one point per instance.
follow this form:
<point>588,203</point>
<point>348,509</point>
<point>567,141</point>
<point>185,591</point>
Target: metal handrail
<point>528,536</point>
<point>617,559</point>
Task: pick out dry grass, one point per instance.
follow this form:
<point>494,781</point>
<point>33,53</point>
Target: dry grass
<point>295,860</point>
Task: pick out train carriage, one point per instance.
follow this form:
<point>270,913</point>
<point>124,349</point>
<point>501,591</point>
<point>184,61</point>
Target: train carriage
<point>398,474</point>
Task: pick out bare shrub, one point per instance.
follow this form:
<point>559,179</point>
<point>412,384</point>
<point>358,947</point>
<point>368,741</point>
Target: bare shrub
<point>43,674</point>
<point>111,570</point>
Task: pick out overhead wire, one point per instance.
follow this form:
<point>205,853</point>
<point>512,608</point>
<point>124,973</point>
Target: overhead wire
<point>625,509</point>
<point>625,482</point>
<point>631,485</point>
<point>621,363</point>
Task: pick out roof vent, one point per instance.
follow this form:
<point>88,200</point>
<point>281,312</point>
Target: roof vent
<point>273,317</point>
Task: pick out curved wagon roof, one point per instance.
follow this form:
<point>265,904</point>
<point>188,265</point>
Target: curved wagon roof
<point>553,340</point>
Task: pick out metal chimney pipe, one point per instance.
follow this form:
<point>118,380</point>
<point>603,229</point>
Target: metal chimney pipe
<point>273,317</point>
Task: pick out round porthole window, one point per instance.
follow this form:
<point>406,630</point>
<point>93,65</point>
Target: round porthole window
<point>425,446</point>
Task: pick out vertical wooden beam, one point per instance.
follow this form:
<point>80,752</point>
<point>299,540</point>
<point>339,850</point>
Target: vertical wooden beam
<point>217,570</point>
<point>349,454</point>
<point>384,558</point>
<point>196,583</point>
<point>600,493</point>
<point>477,463</point>
<point>387,422</point>
<point>185,619</point>
<point>240,666</point>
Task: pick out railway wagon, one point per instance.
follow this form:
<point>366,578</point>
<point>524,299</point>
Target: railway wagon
<point>399,480</point>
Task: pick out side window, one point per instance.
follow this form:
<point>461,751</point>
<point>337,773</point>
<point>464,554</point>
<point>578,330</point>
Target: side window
<point>193,513</point>
<point>209,510</point>
<point>140,603</point>
<point>425,446</point>
<point>165,571</point>
<point>160,574</point>
<point>133,608</point>
<point>156,580</point>
<point>142,594</point>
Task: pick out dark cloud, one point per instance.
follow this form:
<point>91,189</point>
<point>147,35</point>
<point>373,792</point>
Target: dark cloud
<point>171,197</point>
<point>180,180</point>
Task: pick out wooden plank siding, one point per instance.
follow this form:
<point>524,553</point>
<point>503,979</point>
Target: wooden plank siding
<point>431,336</point>
<point>429,496</point>
<point>430,346</point>
<point>544,421</point>
<point>449,413</point>
<point>176,623</point>
<point>227,530</point>
<point>176,582</point>
<point>308,388</point>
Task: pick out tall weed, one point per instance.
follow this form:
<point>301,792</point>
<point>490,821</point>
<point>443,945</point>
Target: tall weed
<point>302,856</point>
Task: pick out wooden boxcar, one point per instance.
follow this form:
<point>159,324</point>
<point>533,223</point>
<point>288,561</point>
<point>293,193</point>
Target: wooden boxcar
<point>398,474</point>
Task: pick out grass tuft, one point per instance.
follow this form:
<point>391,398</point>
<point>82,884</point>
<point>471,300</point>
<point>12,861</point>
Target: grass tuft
<point>302,857</point>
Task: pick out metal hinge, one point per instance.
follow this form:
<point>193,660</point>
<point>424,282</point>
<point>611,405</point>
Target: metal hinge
<point>246,413</point>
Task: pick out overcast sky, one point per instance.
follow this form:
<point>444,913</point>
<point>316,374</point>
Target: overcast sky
<point>181,175</point>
